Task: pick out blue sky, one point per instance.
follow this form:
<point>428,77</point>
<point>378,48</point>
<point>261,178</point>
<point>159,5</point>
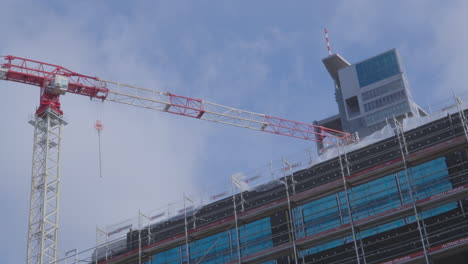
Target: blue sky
<point>263,56</point>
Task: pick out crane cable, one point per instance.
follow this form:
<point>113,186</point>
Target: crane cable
<point>98,125</point>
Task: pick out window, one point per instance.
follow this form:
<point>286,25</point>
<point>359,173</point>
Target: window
<point>386,100</point>
<point>255,236</point>
<point>429,178</point>
<point>221,247</point>
<point>382,228</point>
<point>171,256</point>
<point>381,90</point>
<point>377,68</point>
<point>390,111</point>
<point>213,249</point>
<point>374,197</point>
<point>322,247</point>
<point>353,106</point>
<point>316,216</point>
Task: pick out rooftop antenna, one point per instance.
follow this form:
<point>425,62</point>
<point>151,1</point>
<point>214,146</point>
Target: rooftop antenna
<point>325,30</point>
<point>99,127</point>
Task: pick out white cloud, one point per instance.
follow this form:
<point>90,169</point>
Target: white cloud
<point>449,53</point>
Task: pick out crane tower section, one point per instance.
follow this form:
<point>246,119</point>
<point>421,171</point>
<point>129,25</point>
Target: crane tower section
<point>45,188</point>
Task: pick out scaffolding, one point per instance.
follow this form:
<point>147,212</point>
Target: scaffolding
<point>404,152</point>
<point>345,173</point>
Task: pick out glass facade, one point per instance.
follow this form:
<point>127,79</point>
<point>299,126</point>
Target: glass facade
<point>255,236</point>
<point>316,216</point>
<point>213,249</point>
<point>171,256</point>
<point>377,68</point>
<point>382,90</point>
<point>322,247</point>
<point>373,197</point>
<point>370,199</point>
<point>221,247</point>
<point>393,110</point>
<point>385,100</point>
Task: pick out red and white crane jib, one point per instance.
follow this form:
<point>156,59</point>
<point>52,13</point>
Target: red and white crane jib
<point>55,80</point>
<point>196,108</point>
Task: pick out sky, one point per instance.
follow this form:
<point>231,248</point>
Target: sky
<point>262,56</point>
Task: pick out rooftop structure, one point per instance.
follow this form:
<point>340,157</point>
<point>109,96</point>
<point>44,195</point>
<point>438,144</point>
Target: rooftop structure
<point>369,92</point>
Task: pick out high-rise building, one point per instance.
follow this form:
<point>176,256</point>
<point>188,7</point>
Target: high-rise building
<point>402,199</point>
<point>369,92</point>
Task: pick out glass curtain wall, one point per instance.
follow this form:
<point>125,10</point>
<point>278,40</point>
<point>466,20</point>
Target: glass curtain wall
<point>370,199</point>
<point>221,247</point>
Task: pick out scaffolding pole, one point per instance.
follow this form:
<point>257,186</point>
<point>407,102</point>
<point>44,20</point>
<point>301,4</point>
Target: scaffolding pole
<point>400,193</point>
<point>148,227</point>
<point>271,171</point>
<point>350,214</point>
<point>293,182</point>
<point>339,208</point>
<point>75,259</point>
<point>99,231</point>
<point>187,249</point>
<point>404,152</point>
<point>239,260</point>
<point>302,221</point>
<point>139,236</point>
<point>291,219</point>
<point>462,116</point>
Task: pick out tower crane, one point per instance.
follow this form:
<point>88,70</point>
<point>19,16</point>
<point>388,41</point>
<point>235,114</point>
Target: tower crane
<point>55,81</point>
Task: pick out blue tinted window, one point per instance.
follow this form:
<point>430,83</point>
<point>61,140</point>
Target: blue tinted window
<point>439,210</point>
<point>255,236</point>
<point>427,179</point>
<point>171,256</point>
<point>382,228</point>
<point>387,112</point>
<point>389,99</point>
<point>322,247</point>
<point>316,216</point>
<point>213,249</point>
<point>377,68</point>
<point>435,211</point>
<point>374,197</point>
<point>381,90</point>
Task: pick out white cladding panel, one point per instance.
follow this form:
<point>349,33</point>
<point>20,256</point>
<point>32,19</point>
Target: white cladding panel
<point>349,82</point>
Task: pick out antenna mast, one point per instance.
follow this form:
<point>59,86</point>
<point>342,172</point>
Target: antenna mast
<point>325,30</point>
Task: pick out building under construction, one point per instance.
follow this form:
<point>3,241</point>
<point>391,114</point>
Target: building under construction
<point>399,199</point>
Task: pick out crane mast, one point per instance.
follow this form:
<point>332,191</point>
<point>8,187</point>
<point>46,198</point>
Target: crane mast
<point>45,188</point>
<point>48,122</point>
